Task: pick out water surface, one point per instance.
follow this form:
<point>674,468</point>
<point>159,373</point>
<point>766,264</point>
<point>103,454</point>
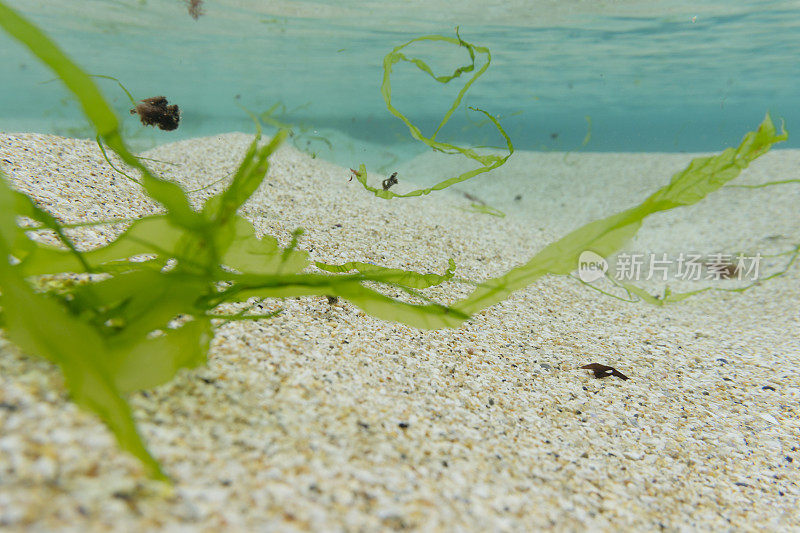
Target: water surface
<point>648,76</point>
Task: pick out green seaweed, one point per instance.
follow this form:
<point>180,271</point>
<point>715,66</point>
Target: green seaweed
<point>39,325</point>
<point>703,176</point>
<point>586,138</point>
<point>674,297</point>
<point>122,328</point>
<point>487,162</point>
<point>766,184</point>
<point>405,278</point>
<point>298,131</point>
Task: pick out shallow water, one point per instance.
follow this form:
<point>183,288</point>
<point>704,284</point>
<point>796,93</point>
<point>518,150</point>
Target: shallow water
<point>323,404</point>
<point>637,76</point>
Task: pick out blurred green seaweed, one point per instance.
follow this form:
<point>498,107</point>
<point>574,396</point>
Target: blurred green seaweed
<point>484,209</point>
<point>634,293</point>
<point>278,116</point>
<point>703,176</point>
<point>140,322</point>
<point>134,324</point>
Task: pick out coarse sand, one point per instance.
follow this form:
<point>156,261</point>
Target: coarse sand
<point>326,419</point>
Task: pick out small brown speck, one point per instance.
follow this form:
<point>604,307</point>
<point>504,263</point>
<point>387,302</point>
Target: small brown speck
<point>195,8</point>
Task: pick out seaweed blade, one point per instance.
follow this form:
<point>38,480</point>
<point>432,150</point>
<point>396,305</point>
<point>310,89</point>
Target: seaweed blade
<point>701,177</point>
<point>39,325</point>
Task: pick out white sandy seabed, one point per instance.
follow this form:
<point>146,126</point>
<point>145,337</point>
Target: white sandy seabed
<point>326,419</point>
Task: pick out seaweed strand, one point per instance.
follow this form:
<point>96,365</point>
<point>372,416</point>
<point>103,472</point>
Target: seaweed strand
<point>488,162</point>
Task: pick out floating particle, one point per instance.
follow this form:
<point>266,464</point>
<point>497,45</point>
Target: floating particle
<point>195,8</point>
<point>156,111</point>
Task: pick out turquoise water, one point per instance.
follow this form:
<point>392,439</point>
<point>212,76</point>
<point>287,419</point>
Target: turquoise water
<point>650,76</point>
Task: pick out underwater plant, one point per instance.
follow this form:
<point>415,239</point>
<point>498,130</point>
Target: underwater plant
<point>703,176</point>
<point>121,321</point>
<point>304,136</point>
<point>487,162</point>
<point>213,255</point>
